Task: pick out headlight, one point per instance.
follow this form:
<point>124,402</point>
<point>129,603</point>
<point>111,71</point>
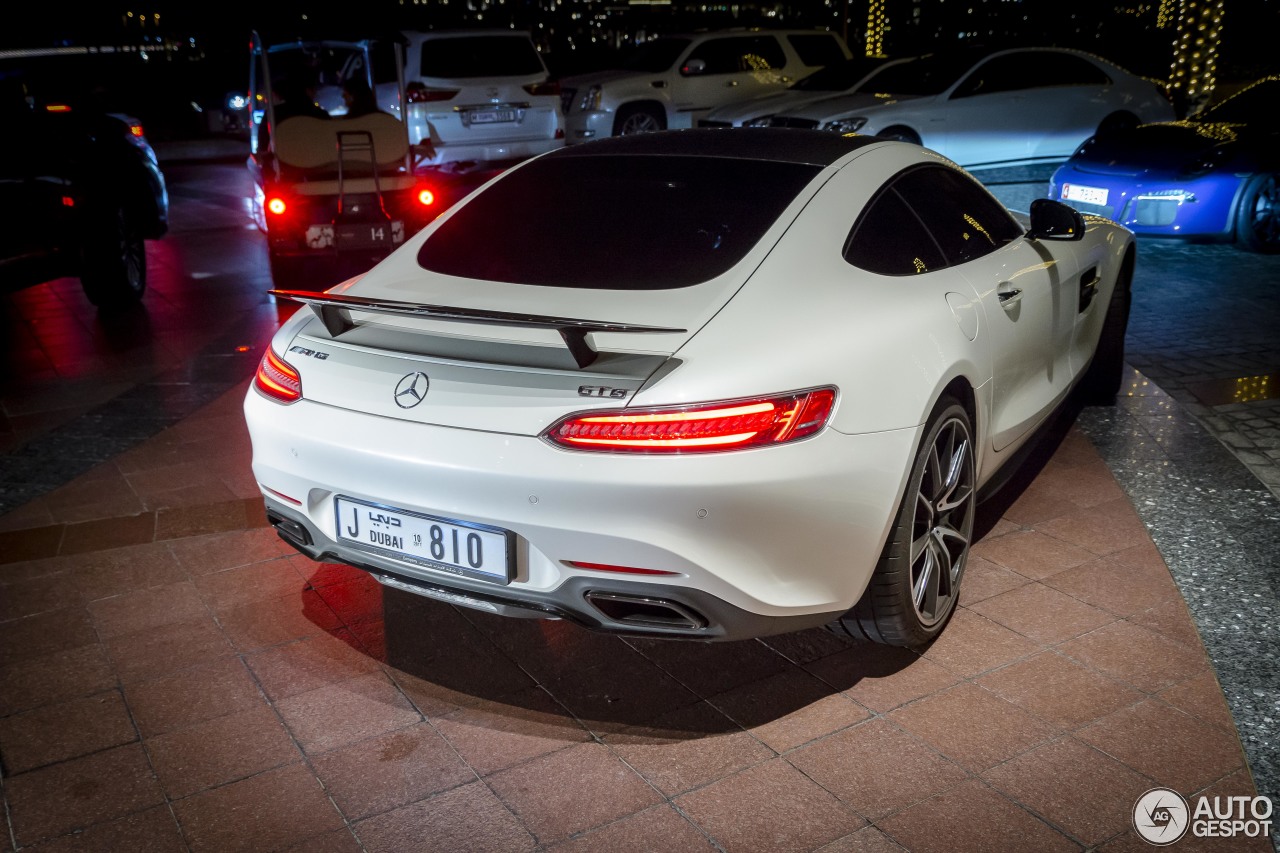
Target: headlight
<point>845,125</point>
<point>758,121</point>
<point>590,99</point>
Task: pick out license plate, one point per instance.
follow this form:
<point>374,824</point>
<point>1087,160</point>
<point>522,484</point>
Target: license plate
<point>368,235</point>
<point>1088,195</point>
<point>491,116</point>
<point>456,547</point>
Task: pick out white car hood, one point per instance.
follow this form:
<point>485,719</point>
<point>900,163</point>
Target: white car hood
<point>827,109</point>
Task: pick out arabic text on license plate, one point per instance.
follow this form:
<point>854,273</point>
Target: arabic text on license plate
<point>422,540</point>
<point>1088,195</point>
<point>492,116</point>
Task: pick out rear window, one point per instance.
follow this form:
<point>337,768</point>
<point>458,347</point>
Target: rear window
<point>480,56</point>
<point>615,222</point>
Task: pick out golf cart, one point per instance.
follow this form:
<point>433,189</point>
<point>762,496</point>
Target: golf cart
<point>329,180</point>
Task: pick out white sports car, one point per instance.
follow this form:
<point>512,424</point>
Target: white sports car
<point>707,383</point>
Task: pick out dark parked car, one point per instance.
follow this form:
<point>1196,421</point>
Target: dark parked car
<point>1213,176</point>
<point>82,191</point>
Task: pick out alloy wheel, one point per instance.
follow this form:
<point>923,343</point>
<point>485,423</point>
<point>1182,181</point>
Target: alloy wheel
<point>943,523</point>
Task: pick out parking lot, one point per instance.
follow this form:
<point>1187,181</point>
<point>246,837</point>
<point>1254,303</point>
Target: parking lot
<point>175,677</point>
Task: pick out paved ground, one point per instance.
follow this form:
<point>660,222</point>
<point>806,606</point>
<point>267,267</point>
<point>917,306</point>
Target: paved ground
<point>154,634</point>
<point>173,678</point>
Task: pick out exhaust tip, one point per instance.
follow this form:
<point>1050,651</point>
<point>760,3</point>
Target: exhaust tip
<point>289,530</point>
<point>645,612</point>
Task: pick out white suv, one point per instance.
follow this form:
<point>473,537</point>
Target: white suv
<point>479,95</point>
<point>672,81</point>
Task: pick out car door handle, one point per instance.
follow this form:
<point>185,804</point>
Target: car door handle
<point>1008,294</point>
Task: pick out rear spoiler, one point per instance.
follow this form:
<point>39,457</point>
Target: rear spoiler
<point>334,310</point>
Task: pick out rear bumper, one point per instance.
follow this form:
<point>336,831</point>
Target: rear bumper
<point>757,542</point>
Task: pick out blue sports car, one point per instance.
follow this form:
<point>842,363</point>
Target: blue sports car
<point>1214,176</point>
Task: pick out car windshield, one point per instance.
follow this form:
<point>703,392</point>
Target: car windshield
<point>1254,104</point>
<point>927,75</point>
<point>480,56</point>
<point>654,56</point>
<point>838,77</point>
<point>621,222</point>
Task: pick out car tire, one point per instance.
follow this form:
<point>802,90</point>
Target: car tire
<point>113,259</point>
<point>1258,217</point>
<point>916,582</point>
<point>900,134</point>
<point>1101,382</point>
<point>638,119</point>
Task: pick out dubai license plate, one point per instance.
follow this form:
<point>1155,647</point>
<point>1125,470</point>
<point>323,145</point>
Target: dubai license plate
<point>1088,195</point>
<point>491,116</point>
<point>447,545</point>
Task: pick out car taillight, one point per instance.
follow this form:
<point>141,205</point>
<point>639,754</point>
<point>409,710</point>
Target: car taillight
<point>416,93</point>
<point>550,87</point>
<point>136,130</point>
<point>277,379</point>
<point>426,197</point>
<point>276,205</point>
<point>698,428</point>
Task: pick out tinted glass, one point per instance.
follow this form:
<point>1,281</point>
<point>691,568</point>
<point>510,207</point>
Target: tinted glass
<point>615,222</point>
<point>480,56</point>
<point>1002,74</point>
<point>965,220</point>
<point>927,75</point>
<point>889,239</point>
<point>817,49</point>
<point>744,53</point>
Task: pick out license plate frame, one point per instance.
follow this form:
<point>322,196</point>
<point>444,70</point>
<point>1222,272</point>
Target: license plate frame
<point>1087,195</point>
<point>491,116</point>
<point>396,528</point>
<point>367,235</point>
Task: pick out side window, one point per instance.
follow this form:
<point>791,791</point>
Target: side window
<point>1006,73</point>
<point>817,49</point>
<point>963,217</point>
<point>740,53</point>
<point>889,239</point>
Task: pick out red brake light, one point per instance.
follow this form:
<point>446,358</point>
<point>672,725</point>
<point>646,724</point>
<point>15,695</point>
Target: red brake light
<point>624,570</point>
<point>699,428</point>
<point>136,129</point>
<point>416,93</point>
<point>277,379</point>
<point>57,108</point>
<point>550,87</point>
<point>276,205</point>
<point>426,197</point>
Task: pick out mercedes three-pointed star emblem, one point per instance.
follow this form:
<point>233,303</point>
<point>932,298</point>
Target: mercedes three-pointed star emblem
<point>411,390</point>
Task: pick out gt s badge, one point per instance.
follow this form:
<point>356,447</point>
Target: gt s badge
<point>601,391</point>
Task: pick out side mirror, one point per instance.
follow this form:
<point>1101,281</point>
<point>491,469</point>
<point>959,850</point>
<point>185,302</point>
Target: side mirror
<point>1053,220</point>
<point>693,67</point>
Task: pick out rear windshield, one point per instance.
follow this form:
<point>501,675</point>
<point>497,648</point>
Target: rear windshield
<point>480,56</point>
<point>928,75</point>
<point>615,222</point>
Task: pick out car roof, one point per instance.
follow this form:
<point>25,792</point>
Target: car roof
<point>779,145</point>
